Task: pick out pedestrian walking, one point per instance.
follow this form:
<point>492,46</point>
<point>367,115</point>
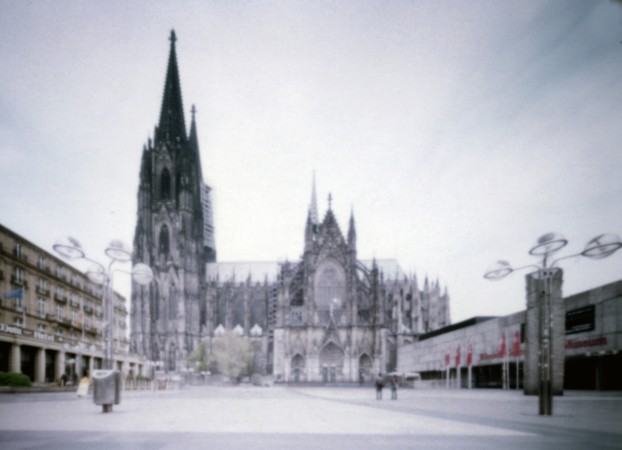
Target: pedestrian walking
<point>393,387</point>
<point>379,386</point>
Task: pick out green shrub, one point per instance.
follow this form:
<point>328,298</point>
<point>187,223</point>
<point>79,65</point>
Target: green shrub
<point>14,379</point>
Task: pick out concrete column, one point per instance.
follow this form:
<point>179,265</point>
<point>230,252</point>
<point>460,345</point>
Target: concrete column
<point>59,364</point>
<point>533,324</point>
<point>40,366</point>
<point>15,362</point>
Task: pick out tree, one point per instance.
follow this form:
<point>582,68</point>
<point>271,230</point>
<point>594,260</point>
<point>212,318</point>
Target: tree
<point>200,357</point>
<point>232,355</point>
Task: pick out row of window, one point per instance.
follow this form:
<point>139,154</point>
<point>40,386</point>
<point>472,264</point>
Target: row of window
<point>19,279</point>
<point>76,319</point>
<point>42,264</point>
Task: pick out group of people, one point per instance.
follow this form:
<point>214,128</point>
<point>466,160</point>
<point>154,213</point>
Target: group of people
<point>380,382</point>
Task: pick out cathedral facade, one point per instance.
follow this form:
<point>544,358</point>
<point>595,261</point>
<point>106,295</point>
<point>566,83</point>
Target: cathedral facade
<point>328,317</point>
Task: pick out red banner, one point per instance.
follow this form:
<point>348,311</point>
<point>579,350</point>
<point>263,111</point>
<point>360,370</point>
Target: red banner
<point>516,347</point>
<point>503,349</point>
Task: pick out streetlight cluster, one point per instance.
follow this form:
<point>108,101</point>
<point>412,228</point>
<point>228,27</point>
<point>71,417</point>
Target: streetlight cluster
<point>71,249</point>
<point>600,247</point>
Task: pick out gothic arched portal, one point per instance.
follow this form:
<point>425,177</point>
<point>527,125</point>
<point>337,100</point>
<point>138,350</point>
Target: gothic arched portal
<point>331,362</point>
<point>365,368</point>
<point>298,368</point>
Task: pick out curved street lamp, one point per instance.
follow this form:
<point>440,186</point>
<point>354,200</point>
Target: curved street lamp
<point>71,249</point>
<point>600,247</point>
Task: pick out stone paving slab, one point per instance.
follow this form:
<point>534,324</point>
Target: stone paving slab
<point>299,417</point>
<point>239,412</point>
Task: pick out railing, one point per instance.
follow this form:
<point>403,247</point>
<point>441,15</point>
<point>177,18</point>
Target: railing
<point>43,291</point>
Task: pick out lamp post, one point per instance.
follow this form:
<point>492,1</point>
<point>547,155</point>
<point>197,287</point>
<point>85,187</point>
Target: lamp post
<point>70,248</point>
<point>600,247</point>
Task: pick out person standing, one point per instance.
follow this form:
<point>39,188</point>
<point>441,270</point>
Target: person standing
<point>379,386</point>
<point>393,387</point>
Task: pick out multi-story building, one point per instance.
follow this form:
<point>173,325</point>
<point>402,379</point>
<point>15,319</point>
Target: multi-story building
<point>327,317</point>
<point>52,316</point>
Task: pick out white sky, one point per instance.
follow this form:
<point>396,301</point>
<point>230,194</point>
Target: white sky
<point>458,131</point>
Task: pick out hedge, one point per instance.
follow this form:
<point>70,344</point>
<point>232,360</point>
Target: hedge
<point>14,379</point>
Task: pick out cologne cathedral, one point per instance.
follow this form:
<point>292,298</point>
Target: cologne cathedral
<point>329,317</point>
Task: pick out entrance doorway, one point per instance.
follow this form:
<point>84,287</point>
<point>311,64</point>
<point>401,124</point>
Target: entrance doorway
<point>331,361</point>
<point>298,366</point>
<point>365,368</point>
<point>329,374</point>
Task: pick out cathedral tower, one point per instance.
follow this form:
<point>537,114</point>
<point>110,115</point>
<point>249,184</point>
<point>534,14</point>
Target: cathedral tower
<point>174,234</point>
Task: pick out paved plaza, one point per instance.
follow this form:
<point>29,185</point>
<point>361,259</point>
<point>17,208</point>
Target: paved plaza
<point>248,417</point>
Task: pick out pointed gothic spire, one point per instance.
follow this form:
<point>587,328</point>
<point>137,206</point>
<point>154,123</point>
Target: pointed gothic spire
<point>352,230</point>
<point>192,137</point>
<point>193,141</point>
<point>172,124</point>
<point>313,206</point>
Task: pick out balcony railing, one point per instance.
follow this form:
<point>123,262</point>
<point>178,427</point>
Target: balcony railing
<point>43,291</point>
<point>60,298</point>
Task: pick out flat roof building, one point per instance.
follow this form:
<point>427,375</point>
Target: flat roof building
<point>490,351</point>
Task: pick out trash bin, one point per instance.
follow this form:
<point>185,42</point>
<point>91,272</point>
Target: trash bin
<point>106,388</point>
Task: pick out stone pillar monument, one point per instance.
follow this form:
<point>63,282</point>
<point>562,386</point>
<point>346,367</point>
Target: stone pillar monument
<point>538,284</point>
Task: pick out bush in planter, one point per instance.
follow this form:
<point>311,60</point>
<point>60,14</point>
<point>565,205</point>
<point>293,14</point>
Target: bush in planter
<point>14,379</point>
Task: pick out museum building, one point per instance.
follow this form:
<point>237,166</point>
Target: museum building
<point>487,352</point>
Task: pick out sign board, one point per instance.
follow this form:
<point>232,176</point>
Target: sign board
<point>580,320</point>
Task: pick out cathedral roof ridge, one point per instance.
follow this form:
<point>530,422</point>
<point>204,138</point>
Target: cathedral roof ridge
<point>256,270</point>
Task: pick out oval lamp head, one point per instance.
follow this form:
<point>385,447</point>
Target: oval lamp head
<point>97,273</point>
<point>142,274</point>
<point>602,246</point>
<point>118,251</point>
<point>69,248</point>
<point>548,244</point>
<point>498,271</point>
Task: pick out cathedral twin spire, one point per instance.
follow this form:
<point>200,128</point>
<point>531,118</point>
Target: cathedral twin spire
<point>172,125</point>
